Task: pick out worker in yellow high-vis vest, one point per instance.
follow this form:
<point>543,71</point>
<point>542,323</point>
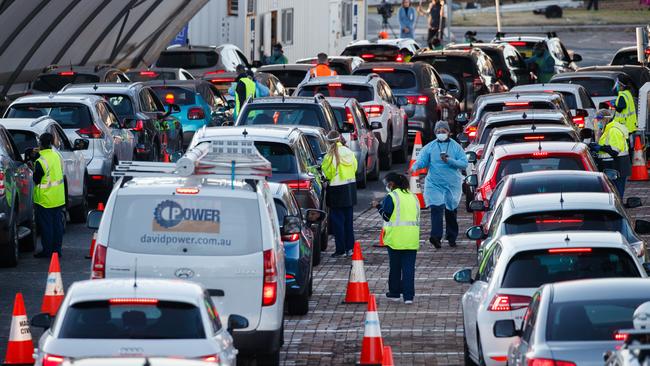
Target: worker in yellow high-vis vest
<point>613,152</point>
<point>625,107</point>
<point>49,197</point>
<point>400,210</point>
<point>244,89</point>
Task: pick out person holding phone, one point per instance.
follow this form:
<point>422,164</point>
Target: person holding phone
<point>445,159</point>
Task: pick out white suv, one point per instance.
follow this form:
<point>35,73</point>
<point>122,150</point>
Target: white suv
<point>516,265</point>
<point>168,221</point>
<point>386,118</point>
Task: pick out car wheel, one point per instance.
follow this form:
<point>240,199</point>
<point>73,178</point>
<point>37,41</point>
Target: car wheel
<point>402,155</point>
<point>154,155</point>
<point>386,155</point>
<point>374,174</point>
<point>28,243</point>
<point>324,237</point>
<point>269,359</point>
<point>363,181</point>
<point>481,359</point>
<point>9,257</point>
<point>316,252</point>
<point>310,289</point>
<point>299,304</point>
<point>78,214</point>
<point>466,359</point>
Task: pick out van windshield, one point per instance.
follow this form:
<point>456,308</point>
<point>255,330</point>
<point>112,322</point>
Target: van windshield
<point>191,225</point>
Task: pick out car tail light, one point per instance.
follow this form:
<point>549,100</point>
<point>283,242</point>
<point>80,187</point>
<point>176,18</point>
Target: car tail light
<point>534,138</point>
<point>579,121</point>
<point>367,55</point>
<point>298,184</point>
<point>334,85</point>
<point>90,132</point>
<point>350,120</point>
<point>195,113</point>
<point>399,58</point>
<point>540,154</point>
<point>187,190</point>
<point>291,237</point>
<point>133,301</point>
<point>471,132</point>
<point>2,183</point>
<point>517,44</point>
<point>215,72</point>
<point>223,80</point>
<point>622,337</point>
<point>151,74</point>
<point>289,276</point>
<point>477,83</point>
<point>499,73</point>
<point>516,104</point>
<point>169,98</point>
<point>97,177</point>
<point>548,362</point>
<point>98,268</point>
<point>211,358</point>
<point>270,287</point>
<point>67,73</point>
<point>373,110</point>
<point>647,51</point>
<point>499,358</point>
<point>569,250</point>
<point>383,69</point>
<point>502,302</point>
<point>139,126</point>
<point>418,99</point>
<point>52,360</point>
<point>479,153</point>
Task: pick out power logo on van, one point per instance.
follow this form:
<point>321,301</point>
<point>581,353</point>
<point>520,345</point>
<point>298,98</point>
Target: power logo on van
<point>171,216</point>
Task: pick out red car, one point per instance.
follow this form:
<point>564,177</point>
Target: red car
<point>526,157</point>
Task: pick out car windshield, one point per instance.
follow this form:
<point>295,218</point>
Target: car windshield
<point>534,164</point>
<point>564,220</point>
<point>188,59</point>
<point>626,58</point>
<point>130,319</point>
<point>175,95</point>
<point>557,183</point>
<point>457,66</point>
<point>301,114</point>
<point>281,156</point>
<point>24,139</point>
<point>121,104</point>
<point>373,52</point>
<point>396,79</point>
<point>485,129</point>
<point>55,82</point>
<point>595,87</point>
<point>533,137</point>
<point>288,78</point>
<point>595,320</point>
<point>361,93</point>
<point>67,115</point>
<point>150,75</point>
<point>533,268</point>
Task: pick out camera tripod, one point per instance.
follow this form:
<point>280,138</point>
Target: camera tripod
<point>386,26</point>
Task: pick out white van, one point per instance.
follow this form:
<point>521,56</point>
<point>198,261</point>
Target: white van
<point>206,227</point>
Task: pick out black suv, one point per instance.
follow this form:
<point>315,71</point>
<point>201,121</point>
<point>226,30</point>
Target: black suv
<point>428,100</point>
<point>138,107</point>
<point>54,78</point>
<point>466,73</point>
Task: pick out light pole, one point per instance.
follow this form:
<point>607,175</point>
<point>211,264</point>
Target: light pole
<point>498,8</point>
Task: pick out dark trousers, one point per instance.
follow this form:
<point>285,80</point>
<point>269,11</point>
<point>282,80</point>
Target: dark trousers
<point>593,3</point>
<point>450,220</point>
<point>341,225</point>
<point>401,273</point>
<point>50,226</point>
<point>620,185</point>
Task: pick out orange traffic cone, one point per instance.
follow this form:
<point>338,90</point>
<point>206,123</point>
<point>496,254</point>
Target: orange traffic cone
<point>20,347</point>
<point>388,357</point>
<point>358,291</point>
<point>639,168</point>
<point>415,186</point>
<point>372,346</point>
<point>381,240</point>
<point>53,288</point>
<point>417,147</point>
<point>100,207</point>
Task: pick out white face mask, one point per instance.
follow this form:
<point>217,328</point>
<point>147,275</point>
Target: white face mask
<point>388,189</point>
<point>442,136</point>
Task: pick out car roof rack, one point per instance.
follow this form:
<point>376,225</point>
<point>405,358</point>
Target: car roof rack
<point>220,159</point>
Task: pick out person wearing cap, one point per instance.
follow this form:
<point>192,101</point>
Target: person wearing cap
<point>244,88</point>
<point>406,16</point>
<point>49,197</point>
<point>400,210</point>
<point>602,118</point>
<point>445,159</point>
<point>625,107</point>
<point>544,63</point>
<point>340,168</point>
<point>613,152</point>
<point>277,56</point>
<point>322,68</point>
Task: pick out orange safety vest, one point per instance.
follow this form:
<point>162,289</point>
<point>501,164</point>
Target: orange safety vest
<point>321,70</point>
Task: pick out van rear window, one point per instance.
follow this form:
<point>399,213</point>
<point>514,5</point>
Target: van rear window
<point>188,59</point>
<point>186,225</point>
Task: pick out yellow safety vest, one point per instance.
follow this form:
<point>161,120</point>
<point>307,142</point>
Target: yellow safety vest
<point>50,192</point>
<point>402,232</point>
<point>342,172</point>
<point>614,135</point>
<point>250,93</point>
<point>628,115</point>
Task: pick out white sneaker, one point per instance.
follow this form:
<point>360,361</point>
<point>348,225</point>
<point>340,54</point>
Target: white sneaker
<point>408,302</point>
<point>349,253</point>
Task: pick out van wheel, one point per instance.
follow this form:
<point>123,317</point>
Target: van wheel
<point>386,155</point>
<point>269,359</point>
<point>28,243</point>
<point>315,254</point>
<point>299,304</point>
<point>9,256</point>
<point>374,174</point>
<point>402,155</point>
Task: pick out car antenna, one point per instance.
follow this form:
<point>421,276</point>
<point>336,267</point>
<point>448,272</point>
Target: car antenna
<point>245,133</point>
<point>539,147</point>
<point>146,362</point>
<point>95,87</point>
<point>567,239</point>
<point>561,199</point>
<point>517,96</point>
<point>135,274</point>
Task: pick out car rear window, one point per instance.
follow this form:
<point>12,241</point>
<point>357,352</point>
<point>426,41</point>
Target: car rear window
<point>124,319</point>
<point>222,84</point>
<point>182,225</point>
<point>67,115</point>
<point>56,82</point>
<point>373,52</point>
<point>280,210</point>
<point>570,100</point>
<point>281,156</point>
<point>361,93</point>
<point>24,139</point>
<point>595,87</point>
<point>288,78</point>
<point>458,66</point>
<point>317,148</point>
<point>626,58</point>
<point>188,59</point>
<point>534,164</point>
<point>150,75</point>
<point>301,114</point>
<point>396,79</point>
<point>564,220</point>
<point>534,137</point>
<point>485,130</point>
<point>525,48</point>
<point>175,95</point>
<point>531,269</point>
<point>513,106</point>
<point>555,184</point>
<point>121,104</point>
<point>590,320</point>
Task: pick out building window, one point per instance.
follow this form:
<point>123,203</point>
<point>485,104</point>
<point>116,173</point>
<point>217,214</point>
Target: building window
<point>287,26</point>
<point>251,7</point>
<point>346,18</point>
<point>233,7</point>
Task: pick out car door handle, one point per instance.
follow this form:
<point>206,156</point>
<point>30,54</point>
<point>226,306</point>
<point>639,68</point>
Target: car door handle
<point>216,292</point>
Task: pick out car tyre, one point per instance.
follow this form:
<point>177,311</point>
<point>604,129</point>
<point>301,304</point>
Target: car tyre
<point>402,155</point>
<point>269,359</point>
<point>28,243</point>
<point>9,257</point>
<point>386,155</point>
<point>481,359</point>
<point>374,174</point>
<point>363,181</point>
<point>467,361</point>
<point>299,304</point>
<point>324,236</point>
<point>316,253</point>
<point>154,155</point>
<point>78,214</point>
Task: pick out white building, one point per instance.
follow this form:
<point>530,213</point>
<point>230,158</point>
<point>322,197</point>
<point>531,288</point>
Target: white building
<point>303,27</point>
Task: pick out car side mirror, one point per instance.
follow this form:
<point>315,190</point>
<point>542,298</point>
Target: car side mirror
<point>505,329</point>
<point>642,227</point>
<point>471,157</point>
<point>581,113</point>
<point>633,202</point>
<point>80,144</point>
<point>586,134</point>
<point>471,180</point>
<point>236,322</point>
<point>401,101</point>
<point>42,320</point>
<point>220,111</point>
<point>314,216</point>
<point>93,219</point>
<point>464,276</point>
<point>347,128</point>
<point>257,64</point>
<point>612,174</point>
<point>463,138</point>
<point>461,118</point>
<point>129,123</point>
<point>291,225</point>
<point>376,125</point>
<point>576,57</point>
<point>231,104</point>
<point>454,92</point>
<point>646,267</point>
<point>174,108</point>
<point>475,233</point>
<point>477,205</point>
